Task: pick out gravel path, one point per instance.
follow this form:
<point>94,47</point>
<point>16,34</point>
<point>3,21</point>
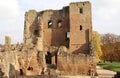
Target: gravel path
<point>54,77</point>
<point>103,73</point>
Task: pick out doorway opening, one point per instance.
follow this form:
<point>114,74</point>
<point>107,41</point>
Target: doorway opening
<point>21,72</point>
<point>48,58</point>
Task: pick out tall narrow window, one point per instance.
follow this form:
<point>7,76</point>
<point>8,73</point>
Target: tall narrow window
<point>50,24</point>
<point>81,27</point>
<point>68,34</point>
<point>67,39</point>
<point>81,10</point>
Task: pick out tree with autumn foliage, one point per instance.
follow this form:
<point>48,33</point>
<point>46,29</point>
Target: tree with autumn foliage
<point>97,45</point>
<point>110,47</point>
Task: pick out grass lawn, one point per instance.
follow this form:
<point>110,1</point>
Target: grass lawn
<point>114,66</point>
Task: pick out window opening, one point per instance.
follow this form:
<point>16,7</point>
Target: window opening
<point>50,24</point>
<point>83,4</point>
<point>38,18</point>
<point>67,39</point>
<point>59,23</point>
<point>68,35</point>
<point>80,27</point>
<point>36,32</point>
<point>81,10</point>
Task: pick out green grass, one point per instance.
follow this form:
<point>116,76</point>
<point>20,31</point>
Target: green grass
<point>114,66</point>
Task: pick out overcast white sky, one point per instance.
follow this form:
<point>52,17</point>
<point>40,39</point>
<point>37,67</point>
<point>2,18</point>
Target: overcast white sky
<point>105,15</point>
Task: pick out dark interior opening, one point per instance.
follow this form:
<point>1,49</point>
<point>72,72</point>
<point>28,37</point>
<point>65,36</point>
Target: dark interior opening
<point>1,73</point>
<point>81,10</point>
<point>83,3</point>
<point>50,24</point>
<point>56,58</point>
<point>48,58</point>
<point>21,72</point>
<point>80,27</point>
<point>36,32</point>
<point>30,68</point>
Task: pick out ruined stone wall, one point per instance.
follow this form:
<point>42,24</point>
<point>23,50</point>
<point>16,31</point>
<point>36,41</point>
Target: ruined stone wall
<point>7,45</point>
<point>31,25</point>
<point>55,34</point>
<point>49,28</point>
<point>22,58</point>
<point>80,27</point>
<point>74,64</point>
<point>9,63</point>
<point>31,61</point>
<point>47,44</point>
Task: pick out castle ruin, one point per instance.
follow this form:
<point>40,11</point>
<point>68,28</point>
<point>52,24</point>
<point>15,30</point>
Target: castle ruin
<point>54,40</point>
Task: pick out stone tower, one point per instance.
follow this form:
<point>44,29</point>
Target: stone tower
<point>70,27</point>
<point>80,27</point>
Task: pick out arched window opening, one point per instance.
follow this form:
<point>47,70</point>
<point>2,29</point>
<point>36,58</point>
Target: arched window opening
<point>59,23</point>
<point>50,23</point>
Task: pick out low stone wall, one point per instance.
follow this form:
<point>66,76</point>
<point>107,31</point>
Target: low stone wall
<point>8,63</point>
<point>14,63</point>
<point>74,64</point>
<point>29,61</point>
